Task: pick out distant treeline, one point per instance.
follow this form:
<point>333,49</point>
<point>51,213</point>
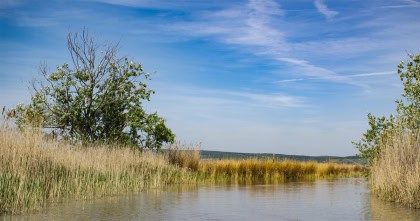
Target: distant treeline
<point>208,154</point>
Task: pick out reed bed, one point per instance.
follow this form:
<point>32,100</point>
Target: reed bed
<point>184,156</point>
<point>275,170</point>
<point>395,174</point>
<point>34,171</point>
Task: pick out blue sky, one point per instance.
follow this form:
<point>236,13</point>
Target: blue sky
<point>293,77</point>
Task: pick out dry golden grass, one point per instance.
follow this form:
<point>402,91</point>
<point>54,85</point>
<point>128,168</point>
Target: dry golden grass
<point>269,169</point>
<point>184,156</point>
<point>395,175</point>
<point>34,171</point>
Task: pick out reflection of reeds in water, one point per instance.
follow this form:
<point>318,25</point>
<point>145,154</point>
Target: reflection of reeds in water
<point>269,169</point>
<point>395,175</point>
<point>383,210</point>
<point>34,171</point>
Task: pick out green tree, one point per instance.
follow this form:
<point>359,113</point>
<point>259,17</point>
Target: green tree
<point>369,144</point>
<point>408,111</point>
<point>97,99</point>
<point>409,107</point>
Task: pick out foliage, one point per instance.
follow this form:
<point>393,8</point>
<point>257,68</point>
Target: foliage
<point>409,73</point>
<point>370,141</point>
<point>99,99</point>
<point>408,112</point>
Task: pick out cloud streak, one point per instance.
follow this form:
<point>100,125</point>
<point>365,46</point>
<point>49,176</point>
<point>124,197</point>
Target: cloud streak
<point>348,77</point>
<point>238,97</point>
<point>256,28</point>
<point>323,9</point>
<point>405,4</point>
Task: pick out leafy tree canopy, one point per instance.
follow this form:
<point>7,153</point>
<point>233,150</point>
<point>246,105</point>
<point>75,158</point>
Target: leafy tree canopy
<point>98,98</point>
<point>408,111</point>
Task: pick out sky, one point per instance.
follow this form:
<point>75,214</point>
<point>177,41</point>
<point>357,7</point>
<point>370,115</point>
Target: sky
<point>290,77</point>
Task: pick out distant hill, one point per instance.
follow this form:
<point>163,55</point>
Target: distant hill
<point>209,154</point>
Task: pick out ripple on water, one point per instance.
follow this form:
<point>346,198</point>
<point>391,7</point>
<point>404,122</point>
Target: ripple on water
<point>338,199</point>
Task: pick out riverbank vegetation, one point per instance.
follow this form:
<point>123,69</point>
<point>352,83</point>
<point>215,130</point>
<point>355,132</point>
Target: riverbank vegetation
<point>35,170</point>
<point>391,144</point>
<point>270,170</point>
<point>395,174</point>
<point>85,134</point>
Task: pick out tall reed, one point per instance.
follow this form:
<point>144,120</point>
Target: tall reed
<point>271,169</point>
<point>183,155</point>
<point>34,171</point>
<point>395,174</point>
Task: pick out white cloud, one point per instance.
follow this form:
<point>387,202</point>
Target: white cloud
<point>235,98</point>
<point>164,4</point>
<point>255,28</point>
<point>347,77</point>
<point>323,9</point>
<point>404,4</point>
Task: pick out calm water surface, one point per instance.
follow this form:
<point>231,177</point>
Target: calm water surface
<point>339,199</point>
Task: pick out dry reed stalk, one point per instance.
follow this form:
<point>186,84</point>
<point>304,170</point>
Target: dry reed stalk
<point>395,175</point>
<point>184,156</point>
<point>34,171</point>
<point>253,168</point>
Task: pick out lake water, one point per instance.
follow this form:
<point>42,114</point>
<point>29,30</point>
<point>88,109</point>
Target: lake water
<point>338,199</point>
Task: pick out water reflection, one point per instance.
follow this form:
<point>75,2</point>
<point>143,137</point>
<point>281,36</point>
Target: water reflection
<point>380,210</point>
<point>340,199</point>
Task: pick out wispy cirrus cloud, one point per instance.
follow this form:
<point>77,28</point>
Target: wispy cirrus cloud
<point>222,97</point>
<point>255,27</point>
<point>345,77</point>
<point>260,28</point>
<point>248,25</point>
<point>404,4</point>
<point>323,9</point>
<point>163,4</point>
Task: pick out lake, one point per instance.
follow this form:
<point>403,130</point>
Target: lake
<point>337,199</point>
